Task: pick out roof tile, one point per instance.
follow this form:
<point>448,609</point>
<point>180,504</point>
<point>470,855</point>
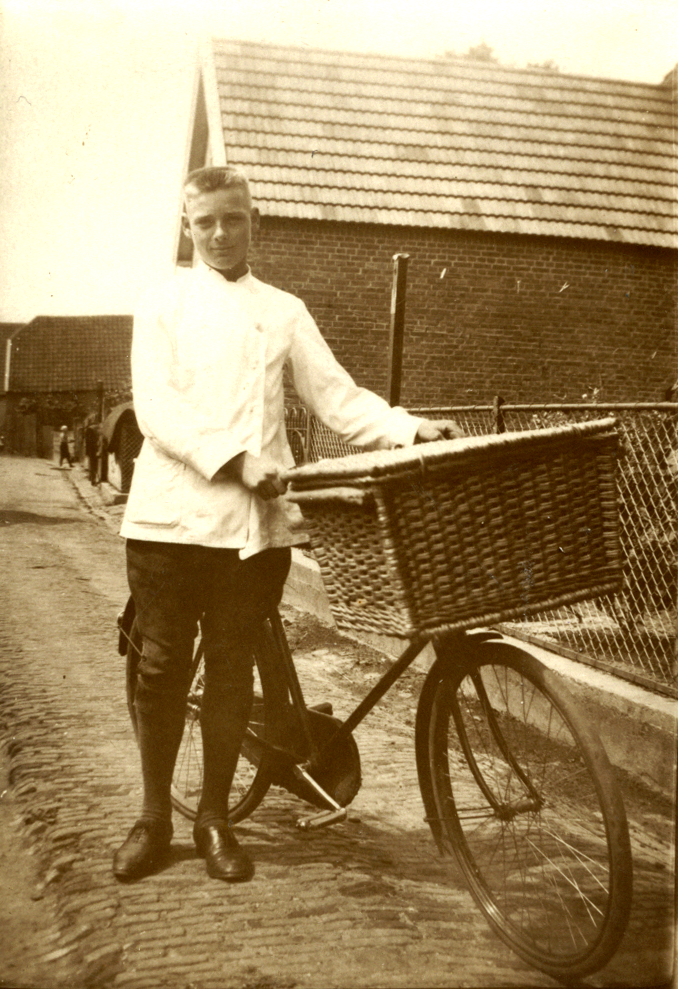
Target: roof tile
<point>448,143</point>
<point>71,353</point>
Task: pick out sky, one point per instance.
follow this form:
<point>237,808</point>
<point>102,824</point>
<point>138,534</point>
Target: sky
<point>95,102</point>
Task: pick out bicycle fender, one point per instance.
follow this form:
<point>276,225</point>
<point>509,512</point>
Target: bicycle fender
<point>456,647</point>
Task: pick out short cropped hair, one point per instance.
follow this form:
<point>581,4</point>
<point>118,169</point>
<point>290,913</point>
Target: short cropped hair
<point>217,177</point>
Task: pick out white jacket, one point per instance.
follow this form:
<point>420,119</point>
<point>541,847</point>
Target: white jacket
<point>207,372</point>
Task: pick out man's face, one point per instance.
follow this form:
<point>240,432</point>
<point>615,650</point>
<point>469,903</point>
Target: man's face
<point>220,225</point>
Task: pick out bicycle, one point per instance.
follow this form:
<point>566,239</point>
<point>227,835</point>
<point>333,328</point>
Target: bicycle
<point>515,783</point>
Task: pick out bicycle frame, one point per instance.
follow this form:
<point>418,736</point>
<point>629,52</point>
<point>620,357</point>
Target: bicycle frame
<point>315,758</point>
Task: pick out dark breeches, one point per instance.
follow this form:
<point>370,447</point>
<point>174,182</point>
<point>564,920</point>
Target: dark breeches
<point>177,588</point>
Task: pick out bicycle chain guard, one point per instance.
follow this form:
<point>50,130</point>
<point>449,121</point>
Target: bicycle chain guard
<point>339,777</point>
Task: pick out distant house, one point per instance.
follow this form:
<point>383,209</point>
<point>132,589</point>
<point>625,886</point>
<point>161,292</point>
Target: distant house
<point>60,369</point>
<point>538,211</point>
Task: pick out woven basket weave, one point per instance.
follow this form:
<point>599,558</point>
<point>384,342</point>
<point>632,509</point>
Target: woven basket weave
<point>468,532</point>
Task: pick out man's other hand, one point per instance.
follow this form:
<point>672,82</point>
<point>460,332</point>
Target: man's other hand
<point>261,475</point>
<point>441,429</point>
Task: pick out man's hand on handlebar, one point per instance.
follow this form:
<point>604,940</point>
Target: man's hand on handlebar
<point>261,475</point>
<point>440,429</point>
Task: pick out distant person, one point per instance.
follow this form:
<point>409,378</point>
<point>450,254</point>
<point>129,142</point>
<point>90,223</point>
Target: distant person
<point>64,451</point>
<point>208,536</point>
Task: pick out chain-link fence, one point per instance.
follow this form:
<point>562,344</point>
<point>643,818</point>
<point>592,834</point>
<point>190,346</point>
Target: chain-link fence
<point>632,633</point>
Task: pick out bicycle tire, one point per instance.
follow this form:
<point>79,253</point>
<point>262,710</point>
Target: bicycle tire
<point>252,776</point>
<point>518,787</point>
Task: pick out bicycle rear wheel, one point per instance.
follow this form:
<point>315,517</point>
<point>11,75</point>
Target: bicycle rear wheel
<point>252,776</point>
<point>519,788</point>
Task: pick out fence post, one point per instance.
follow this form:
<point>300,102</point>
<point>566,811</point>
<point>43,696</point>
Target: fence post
<point>497,414</point>
<point>395,355</point>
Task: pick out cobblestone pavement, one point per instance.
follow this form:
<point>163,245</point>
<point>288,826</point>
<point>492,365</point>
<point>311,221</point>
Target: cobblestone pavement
<point>365,904</point>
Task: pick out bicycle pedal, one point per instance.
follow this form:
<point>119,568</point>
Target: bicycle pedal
<point>322,820</point>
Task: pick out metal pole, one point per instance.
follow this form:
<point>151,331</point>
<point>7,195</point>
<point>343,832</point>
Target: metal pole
<point>395,356</point>
<point>497,414</point>
<point>8,361</point>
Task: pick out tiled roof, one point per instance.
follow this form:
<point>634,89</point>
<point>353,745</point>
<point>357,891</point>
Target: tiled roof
<point>447,143</point>
<point>71,353</point>
<point>9,329</point>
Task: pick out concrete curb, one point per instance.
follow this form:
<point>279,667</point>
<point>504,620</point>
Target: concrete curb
<point>639,729</point>
<point>101,499</point>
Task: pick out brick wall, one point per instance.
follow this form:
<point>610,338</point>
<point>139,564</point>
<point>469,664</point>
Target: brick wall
<point>532,319</point>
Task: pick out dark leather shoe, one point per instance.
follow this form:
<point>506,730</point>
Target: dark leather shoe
<point>145,847</point>
<point>224,857</point>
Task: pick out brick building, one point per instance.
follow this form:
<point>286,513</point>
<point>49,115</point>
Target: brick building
<point>59,370</point>
<point>538,211</point>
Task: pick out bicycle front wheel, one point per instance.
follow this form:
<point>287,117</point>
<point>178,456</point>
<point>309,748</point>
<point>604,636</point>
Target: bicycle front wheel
<point>252,777</point>
<point>520,789</point>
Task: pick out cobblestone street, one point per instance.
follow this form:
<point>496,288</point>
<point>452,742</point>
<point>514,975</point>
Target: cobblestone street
<point>364,904</point>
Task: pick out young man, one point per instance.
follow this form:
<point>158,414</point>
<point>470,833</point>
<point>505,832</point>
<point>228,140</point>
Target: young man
<point>208,537</point>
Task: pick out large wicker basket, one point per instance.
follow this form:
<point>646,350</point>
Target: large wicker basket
<point>458,533</point>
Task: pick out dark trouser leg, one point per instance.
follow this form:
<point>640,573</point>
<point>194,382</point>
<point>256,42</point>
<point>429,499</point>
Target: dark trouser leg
<point>167,611</point>
<point>239,599</point>
<point>160,724</point>
<point>226,706</point>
